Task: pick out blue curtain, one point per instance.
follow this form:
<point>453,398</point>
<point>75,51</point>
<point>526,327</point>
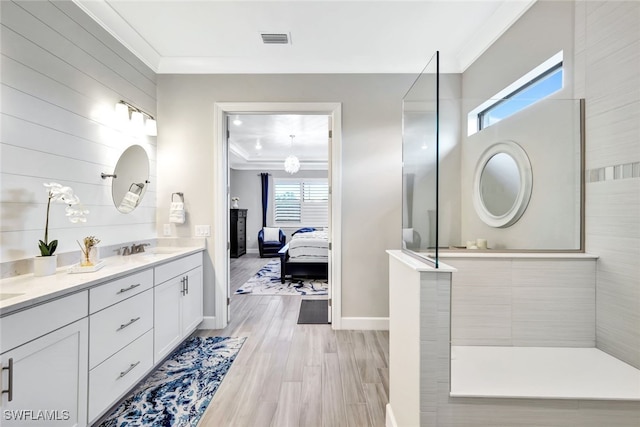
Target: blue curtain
<point>264,179</point>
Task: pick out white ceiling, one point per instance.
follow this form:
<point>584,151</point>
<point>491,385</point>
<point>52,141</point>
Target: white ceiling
<point>328,36</point>
<point>310,143</point>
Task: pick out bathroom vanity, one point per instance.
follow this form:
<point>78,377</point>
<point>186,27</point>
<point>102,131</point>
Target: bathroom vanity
<point>72,345</point>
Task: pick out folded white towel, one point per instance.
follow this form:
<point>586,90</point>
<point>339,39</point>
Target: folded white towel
<point>177,213</point>
<point>129,202</point>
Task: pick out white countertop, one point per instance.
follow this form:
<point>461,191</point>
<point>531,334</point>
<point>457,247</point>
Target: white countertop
<point>419,265</point>
<point>19,292</point>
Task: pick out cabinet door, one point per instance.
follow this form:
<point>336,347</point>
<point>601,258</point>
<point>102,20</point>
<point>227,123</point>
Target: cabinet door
<point>49,379</point>
<point>167,317</point>
<point>192,302</point>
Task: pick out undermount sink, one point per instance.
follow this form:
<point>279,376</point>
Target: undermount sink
<point>164,250</point>
<point>7,295</point>
<point>159,251</point>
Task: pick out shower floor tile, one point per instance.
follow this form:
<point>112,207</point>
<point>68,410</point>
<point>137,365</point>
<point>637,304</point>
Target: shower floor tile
<point>541,372</point>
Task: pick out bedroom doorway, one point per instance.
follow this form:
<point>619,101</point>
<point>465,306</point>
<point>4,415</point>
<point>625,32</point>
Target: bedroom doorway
<point>233,148</point>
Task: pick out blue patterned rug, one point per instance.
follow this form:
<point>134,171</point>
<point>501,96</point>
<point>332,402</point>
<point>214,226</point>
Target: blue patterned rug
<point>267,282</point>
<point>178,392</point>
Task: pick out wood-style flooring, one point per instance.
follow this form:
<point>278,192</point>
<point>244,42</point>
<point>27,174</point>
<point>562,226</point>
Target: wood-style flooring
<point>296,375</point>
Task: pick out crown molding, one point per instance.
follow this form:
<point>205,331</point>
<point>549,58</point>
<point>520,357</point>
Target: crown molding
<point>101,12</point>
<point>491,30</point>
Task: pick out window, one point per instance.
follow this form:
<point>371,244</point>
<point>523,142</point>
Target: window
<point>544,80</point>
<point>301,202</point>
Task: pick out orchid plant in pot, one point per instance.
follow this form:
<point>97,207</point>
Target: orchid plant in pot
<point>45,264</point>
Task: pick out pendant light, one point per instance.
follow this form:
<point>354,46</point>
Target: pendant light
<point>291,163</point>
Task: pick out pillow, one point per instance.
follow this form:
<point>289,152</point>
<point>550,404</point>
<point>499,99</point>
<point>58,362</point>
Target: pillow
<point>271,234</point>
<point>303,230</point>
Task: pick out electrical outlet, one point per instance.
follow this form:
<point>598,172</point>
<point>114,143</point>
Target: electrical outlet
<point>167,230</point>
<point>203,230</point>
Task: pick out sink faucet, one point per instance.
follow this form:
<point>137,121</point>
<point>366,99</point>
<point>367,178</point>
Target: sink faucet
<point>136,249</point>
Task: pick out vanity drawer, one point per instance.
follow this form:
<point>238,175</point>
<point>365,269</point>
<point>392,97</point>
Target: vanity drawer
<point>115,327</point>
<point>115,376</point>
<point>175,268</point>
<point>113,292</point>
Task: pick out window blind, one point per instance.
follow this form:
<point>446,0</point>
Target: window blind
<point>301,202</point>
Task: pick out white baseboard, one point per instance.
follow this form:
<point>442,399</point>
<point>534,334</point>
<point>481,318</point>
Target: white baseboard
<point>390,420</point>
<point>365,323</point>
<point>209,322</point>
<point>253,251</point>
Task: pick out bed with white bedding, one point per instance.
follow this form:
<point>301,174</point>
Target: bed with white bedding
<point>306,255</point>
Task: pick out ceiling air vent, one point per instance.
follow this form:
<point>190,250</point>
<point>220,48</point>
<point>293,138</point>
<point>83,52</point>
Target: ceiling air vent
<point>275,38</point>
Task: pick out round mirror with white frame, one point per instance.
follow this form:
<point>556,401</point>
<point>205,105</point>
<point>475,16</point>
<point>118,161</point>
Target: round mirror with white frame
<point>131,179</point>
<point>502,184</point>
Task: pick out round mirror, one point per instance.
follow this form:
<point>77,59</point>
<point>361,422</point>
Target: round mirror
<point>132,179</point>
<point>502,185</point>
<point>499,184</point>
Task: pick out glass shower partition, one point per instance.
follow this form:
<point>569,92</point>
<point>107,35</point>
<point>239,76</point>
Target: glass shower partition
<point>420,170</point>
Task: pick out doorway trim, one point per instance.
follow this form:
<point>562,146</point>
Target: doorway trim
<point>221,196</point>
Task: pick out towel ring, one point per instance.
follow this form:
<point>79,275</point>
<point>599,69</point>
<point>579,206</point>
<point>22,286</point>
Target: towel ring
<point>137,191</point>
<point>179,194</point>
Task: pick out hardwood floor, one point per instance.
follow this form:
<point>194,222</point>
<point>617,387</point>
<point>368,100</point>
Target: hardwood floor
<point>296,375</point>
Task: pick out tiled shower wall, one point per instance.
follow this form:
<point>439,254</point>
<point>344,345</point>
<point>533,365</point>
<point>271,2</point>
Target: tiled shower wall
<point>608,77</point>
<point>61,77</point>
<point>523,301</point>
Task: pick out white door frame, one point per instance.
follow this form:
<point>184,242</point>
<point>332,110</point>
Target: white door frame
<point>221,196</point>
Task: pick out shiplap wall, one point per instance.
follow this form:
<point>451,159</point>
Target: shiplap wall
<point>61,77</point>
<point>608,76</point>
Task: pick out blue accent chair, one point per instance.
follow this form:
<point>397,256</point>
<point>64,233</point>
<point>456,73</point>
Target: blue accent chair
<point>270,249</point>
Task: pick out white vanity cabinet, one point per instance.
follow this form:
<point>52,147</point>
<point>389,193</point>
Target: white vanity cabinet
<point>45,364</point>
<point>76,344</point>
<point>120,338</point>
<point>178,302</point>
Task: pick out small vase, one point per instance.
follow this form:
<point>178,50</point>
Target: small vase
<point>45,265</point>
<point>90,258</point>
<point>234,204</point>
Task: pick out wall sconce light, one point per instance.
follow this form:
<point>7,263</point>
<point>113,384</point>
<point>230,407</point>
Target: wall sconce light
<point>151,127</point>
<point>127,113</point>
<point>122,112</point>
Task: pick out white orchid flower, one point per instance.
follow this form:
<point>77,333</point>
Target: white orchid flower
<point>62,194</point>
<point>76,214</point>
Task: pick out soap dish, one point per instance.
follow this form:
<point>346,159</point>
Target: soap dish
<point>77,268</point>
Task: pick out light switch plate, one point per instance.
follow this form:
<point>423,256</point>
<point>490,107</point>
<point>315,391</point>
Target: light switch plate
<point>203,230</point>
